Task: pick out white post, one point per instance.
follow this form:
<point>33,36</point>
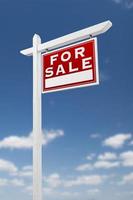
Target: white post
<point>37,121</point>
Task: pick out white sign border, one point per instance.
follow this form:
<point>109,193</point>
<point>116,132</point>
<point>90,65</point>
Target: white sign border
<point>78,86</point>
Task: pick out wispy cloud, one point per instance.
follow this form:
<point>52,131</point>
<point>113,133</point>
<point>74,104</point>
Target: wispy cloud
<point>85,180</point>
<point>117,141</point>
<point>108,160</point>
<point>100,164</point>
<point>107,156</point>
<point>12,182</point>
<point>93,191</point>
<point>3,182</point>
<point>84,167</point>
<point>26,142</point>
<point>106,164</point>
<point>59,194</point>
<point>54,186</point>
<point>54,180</point>
<point>17,182</point>
<point>24,172</point>
<point>127,179</point>
<point>90,156</point>
<point>95,136</point>
<point>7,166</point>
<point>126,3</point>
<point>127,158</point>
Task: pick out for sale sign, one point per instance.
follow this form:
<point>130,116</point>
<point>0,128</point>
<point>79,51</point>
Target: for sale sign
<point>71,67</point>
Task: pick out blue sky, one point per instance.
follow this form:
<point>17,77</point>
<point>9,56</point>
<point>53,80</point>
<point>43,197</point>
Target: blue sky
<point>88,141</point>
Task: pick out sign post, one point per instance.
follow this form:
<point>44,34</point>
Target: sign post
<point>89,71</point>
<point>37,121</point>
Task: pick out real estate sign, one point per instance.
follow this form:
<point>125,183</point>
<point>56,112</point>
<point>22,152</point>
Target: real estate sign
<point>71,67</point>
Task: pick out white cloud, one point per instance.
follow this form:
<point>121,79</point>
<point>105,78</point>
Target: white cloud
<point>7,166</point>
<point>117,141</point>
<point>85,180</point>
<point>3,182</point>
<point>107,156</point>
<point>27,168</point>
<point>16,142</point>
<point>17,182</point>
<point>59,193</point>
<point>84,167</point>
<point>47,190</point>
<point>109,160</point>
<point>25,172</point>
<point>68,194</point>
<point>127,158</point>
<point>26,142</point>
<point>95,136</point>
<point>90,156</point>
<point>51,135</point>
<point>56,186</point>
<point>53,180</point>
<point>106,164</point>
<point>93,191</point>
<point>12,182</point>
<point>106,160</point>
<point>126,3</point>
<point>127,179</point>
<point>29,189</point>
<point>100,164</point>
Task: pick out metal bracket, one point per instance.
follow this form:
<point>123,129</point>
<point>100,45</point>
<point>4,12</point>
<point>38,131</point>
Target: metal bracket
<point>71,38</point>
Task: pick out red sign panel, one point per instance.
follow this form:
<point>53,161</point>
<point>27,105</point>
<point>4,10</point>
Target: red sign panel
<point>71,67</point>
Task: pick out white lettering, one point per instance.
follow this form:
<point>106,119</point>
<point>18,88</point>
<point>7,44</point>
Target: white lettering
<point>79,51</point>
<point>71,69</point>
<point>66,56</point>
<point>53,58</point>
<point>86,63</point>
<point>49,72</point>
<point>60,69</point>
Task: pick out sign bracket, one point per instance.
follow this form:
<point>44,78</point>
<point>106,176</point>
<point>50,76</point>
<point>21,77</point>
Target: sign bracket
<point>70,38</point>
